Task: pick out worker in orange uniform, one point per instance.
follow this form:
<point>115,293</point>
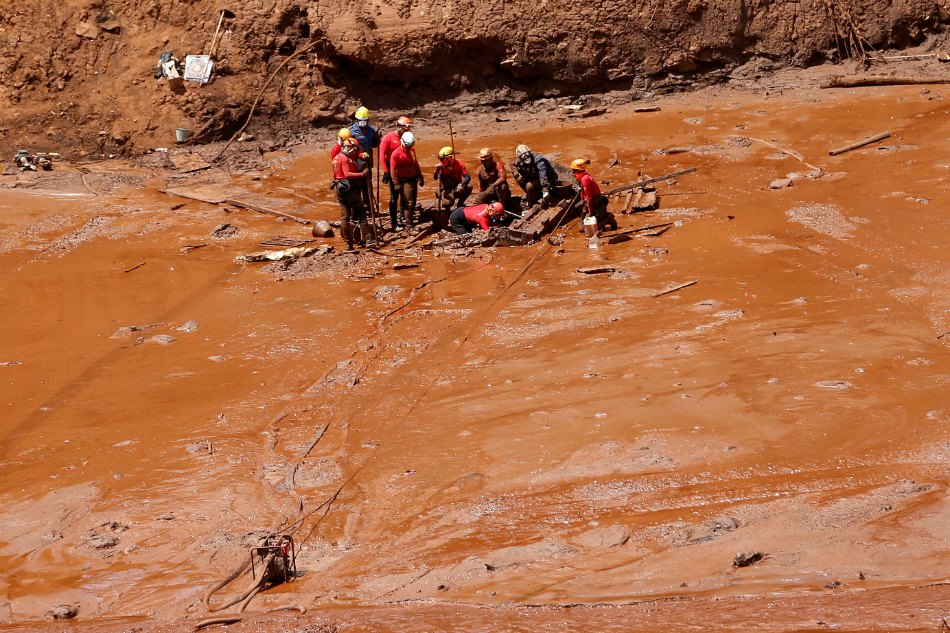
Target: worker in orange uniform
<point>454,180</point>
<point>387,146</point>
<point>407,177</point>
<point>482,216</point>
<point>347,180</point>
<point>492,179</point>
<point>594,201</point>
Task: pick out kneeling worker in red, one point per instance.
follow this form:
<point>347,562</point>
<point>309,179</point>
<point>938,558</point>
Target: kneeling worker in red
<point>464,219</point>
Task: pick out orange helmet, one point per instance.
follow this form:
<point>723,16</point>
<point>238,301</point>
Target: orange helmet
<point>495,209</point>
<point>350,145</point>
<point>404,121</point>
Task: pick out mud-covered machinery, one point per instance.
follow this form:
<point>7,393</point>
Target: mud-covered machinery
<point>276,559</point>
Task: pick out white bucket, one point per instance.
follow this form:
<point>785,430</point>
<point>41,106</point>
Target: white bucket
<point>181,134</point>
<point>590,226</point>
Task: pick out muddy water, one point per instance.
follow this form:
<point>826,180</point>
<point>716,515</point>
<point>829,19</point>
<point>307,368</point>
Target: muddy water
<point>496,429</point>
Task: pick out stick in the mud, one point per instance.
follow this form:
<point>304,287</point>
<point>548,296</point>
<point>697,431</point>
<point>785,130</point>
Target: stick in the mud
<point>857,82</point>
<point>262,209</point>
<point>643,183</point>
<point>139,265</point>
<point>867,141</point>
<point>675,288</point>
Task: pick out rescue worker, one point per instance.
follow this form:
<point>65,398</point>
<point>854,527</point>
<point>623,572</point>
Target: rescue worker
<point>535,175</point>
<point>454,180</point>
<point>464,219</point>
<point>368,138</point>
<point>594,201</point>
<point>407,178</point>
<point>387,146</point>
<point>341,136</point>
<point>346,180</point>
<point>492,179</point>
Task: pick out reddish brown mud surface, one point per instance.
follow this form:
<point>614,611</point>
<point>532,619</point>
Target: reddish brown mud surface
<point>508,436</point>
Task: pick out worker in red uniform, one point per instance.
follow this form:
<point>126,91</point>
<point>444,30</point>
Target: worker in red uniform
<point>347,180</point>
<point>387,146</point>
<point>492,179</point>
<point>407,177</point>
<point>343,134</point>
<point>454,180</point>
<point>464,219</point>
<point>595,203</point>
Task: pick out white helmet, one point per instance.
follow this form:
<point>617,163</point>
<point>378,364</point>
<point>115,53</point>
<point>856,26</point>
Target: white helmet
<point>408,139</point>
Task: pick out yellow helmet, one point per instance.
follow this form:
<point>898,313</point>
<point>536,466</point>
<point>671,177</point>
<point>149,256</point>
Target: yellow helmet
<point>362,114</point>
<point>579,164</point>
<point>446,151</point>
<point>344,133</point>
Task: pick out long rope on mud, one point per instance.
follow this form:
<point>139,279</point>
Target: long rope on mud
<point>250,114</point>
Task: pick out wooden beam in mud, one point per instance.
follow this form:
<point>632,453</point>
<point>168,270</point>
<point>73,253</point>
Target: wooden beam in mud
<point>675,288</point>
<point>881,80</point>
<point>262,209</point>
<point>650,181</point>
<point>867,141</point>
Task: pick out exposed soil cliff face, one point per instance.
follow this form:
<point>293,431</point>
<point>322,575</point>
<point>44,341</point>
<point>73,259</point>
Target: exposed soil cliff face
<point>78,73</point>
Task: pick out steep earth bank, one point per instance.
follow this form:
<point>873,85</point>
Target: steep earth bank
<point>78,74</point>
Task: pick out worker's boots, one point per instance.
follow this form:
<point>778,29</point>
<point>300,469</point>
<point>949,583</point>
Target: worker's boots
<point>368,234</point>
<point>347,229</point>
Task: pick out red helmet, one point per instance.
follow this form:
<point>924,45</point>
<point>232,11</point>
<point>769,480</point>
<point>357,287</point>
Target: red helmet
<point>496,209</point>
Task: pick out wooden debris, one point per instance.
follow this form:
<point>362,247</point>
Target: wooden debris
<point>262,209</point>
<point>643,183</point>
<point>677,150</point>
<point>284,241</point>
<point>675,288</point>
<point>626,203</point>
<point>613,162</point>
<point>666,225</point>
<point>794,155</point>
<point>405,265</point>
<point>187,248</point>
<point>867,141</point>
<point>647,109</point>
<point>139,265</point>
<point>877,80</point>
<point>743,559</point>
<point>596,270</point>
<point>288,253</point>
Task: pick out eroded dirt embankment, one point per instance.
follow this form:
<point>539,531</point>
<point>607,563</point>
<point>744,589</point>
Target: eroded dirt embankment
<point>78,74</point>
<point>491,427</point>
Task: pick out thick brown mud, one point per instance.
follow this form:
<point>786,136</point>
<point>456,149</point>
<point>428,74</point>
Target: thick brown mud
<point>493,439</point>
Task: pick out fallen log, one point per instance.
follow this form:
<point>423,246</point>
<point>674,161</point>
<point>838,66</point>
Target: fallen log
<point>881,80</point>
<point>650,181</point>
<point>262,209</point>
<point>867,141</point>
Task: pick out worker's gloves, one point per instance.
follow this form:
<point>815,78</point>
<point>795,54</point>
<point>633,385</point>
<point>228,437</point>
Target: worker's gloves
<point>387,178</point>
<point>422,180</point>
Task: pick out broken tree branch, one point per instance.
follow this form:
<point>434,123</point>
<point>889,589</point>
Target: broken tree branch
<point>791,153</point>
<point>675,288</point>
<point>262,209</point>
<point>879,80</point>
<point>867,141</point>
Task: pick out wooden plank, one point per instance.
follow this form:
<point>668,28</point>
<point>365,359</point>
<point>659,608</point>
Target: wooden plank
<point>262,209</point>
<point>675,288</point>
<point>875,80</point>
<point>867,141</point>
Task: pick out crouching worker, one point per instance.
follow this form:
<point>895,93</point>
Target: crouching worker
<point>492,179</point>
<point>594,201</point>
<point>347,181</point>
<point>454,180</point>
<point>481,216</point>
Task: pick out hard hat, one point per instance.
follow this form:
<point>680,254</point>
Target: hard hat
<point>362,114</point>
<point>404,121</point>
<point>495,209</point>
<point>344,133</point>
<point>485,153</point>
<point>408,139</point>
<point>446,151</point>
<point>579,165</point>
<point>349,145</point>
<point>521,150</point>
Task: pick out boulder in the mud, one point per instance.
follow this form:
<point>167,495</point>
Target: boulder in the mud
<point>64,611</point>
<point>101,541</point>
<point>322,229</point>
<point>744,559</point>
<point>781,183</point>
